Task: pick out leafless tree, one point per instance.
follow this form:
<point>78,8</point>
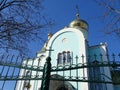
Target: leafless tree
<point>20,22</point>
<point>111,15</point>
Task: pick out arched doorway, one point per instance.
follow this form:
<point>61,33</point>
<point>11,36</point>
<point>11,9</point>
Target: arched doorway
<point>62,88</point>
<point>58,84</point>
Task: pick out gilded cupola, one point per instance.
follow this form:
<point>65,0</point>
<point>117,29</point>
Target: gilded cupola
<point>78,23</point>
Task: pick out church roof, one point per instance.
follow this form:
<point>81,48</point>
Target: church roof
<point>78,23</point>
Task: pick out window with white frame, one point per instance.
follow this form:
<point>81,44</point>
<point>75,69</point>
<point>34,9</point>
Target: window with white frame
<point>27,84</point>
<point>64,57</point>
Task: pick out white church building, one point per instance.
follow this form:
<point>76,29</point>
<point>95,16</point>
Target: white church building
<point>69,46</point>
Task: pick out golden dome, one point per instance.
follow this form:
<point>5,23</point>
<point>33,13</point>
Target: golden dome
<point>78,23</point>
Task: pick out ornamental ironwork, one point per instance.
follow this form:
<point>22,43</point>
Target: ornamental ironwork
<point>10,67</point>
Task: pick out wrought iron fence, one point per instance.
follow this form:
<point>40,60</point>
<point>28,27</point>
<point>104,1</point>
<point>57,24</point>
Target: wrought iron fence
<point>10,67</point>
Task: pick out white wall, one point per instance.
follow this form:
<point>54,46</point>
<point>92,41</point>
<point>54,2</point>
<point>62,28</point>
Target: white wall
<point>75,43</point>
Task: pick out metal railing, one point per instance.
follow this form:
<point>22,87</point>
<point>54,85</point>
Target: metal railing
<point>10,67</point>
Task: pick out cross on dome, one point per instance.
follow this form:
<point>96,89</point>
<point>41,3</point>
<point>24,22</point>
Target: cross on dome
<point>78,23</point>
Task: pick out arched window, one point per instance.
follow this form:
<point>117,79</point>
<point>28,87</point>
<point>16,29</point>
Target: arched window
<point>27,84</point>
<point>64,57</point>
<point>59,58</point>
<point>69,56</point>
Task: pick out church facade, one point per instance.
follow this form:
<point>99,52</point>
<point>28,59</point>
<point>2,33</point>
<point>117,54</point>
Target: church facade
<point>70,46</point>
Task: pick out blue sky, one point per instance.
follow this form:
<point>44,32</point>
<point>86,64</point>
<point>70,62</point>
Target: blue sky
<point>62,12</point>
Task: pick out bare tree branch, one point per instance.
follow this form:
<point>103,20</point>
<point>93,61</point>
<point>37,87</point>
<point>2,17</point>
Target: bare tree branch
<point>112,18</point>
<point>21,21</point>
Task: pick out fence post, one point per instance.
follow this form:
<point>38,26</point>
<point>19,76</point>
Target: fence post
<point>46,75</point>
